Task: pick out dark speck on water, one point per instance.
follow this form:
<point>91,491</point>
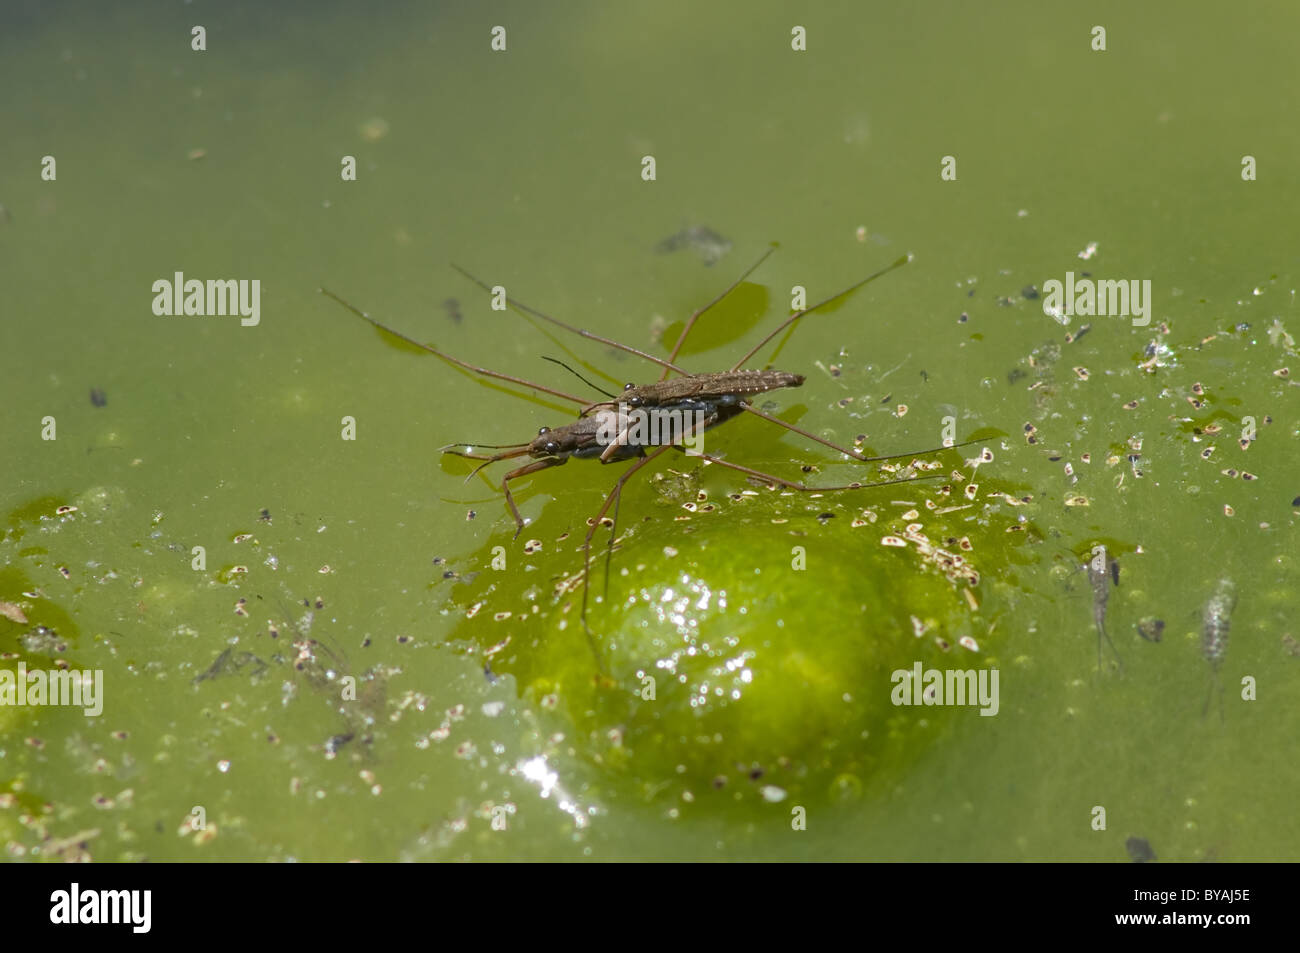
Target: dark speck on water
<point>98,397</point>
<point>1151,629</point>
<point>704,241</point>
<point>452,307</point>
<point>1139,850</point>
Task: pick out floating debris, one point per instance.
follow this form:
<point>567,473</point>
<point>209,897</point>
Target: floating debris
<point>704,241</point>
<point>1151,628</point>
<point>1157,354</point>
<point>98,397</point>
<point>374,129</point>
<point>452,307</point>
<point>13,613</point>
<point>1139,850</point>
<point>1278,336</point>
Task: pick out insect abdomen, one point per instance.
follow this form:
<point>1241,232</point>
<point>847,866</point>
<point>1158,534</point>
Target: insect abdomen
<point>1217,620</point>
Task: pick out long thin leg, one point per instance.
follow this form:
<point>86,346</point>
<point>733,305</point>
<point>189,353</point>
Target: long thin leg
<point>1103,634</point>
<point>589,335</point>
<point>835,297</point>
<point>853,453</point>
<point>522,472</point>
<point>580,401</point>
<point>690,323</point>
<point>1214,683</point>
<point>669,365</point>
<point>591,531</point>
<point>803,487</point>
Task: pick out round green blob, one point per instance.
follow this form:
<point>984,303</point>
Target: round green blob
<point>748,653</point>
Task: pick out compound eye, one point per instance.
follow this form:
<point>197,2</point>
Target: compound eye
<point>551,447</point>
<point>628,386</point>
<point>635,401</point>
<point>544,430</point>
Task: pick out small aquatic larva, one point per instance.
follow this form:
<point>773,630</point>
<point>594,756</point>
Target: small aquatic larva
<point>1216,619</point>
<point>1214,635</point>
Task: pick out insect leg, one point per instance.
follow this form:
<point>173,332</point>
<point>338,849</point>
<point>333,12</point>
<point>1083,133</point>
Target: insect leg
<point>1102,633</point>
<point>803,487</point>
<point>474,368</point>
<point>519,305</point>
<point>690,322</point>
<point>591,531</point>
<point>821,304</point>
<point>466,454</point>
<point>522,472</point>
<point>844,450</point>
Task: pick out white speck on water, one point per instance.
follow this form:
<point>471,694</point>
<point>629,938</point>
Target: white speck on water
<point>535,770</point>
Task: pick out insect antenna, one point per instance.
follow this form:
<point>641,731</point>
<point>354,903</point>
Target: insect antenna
<point>516,452</point>
<point>471,443</point>
<point>579,376</point>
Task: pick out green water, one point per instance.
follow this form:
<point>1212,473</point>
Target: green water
<point>525,167</point>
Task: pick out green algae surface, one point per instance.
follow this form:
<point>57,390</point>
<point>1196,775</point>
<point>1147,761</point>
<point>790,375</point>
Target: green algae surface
<point>319,642</point>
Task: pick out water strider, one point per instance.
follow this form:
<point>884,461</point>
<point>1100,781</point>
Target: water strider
<point>604,432</point>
